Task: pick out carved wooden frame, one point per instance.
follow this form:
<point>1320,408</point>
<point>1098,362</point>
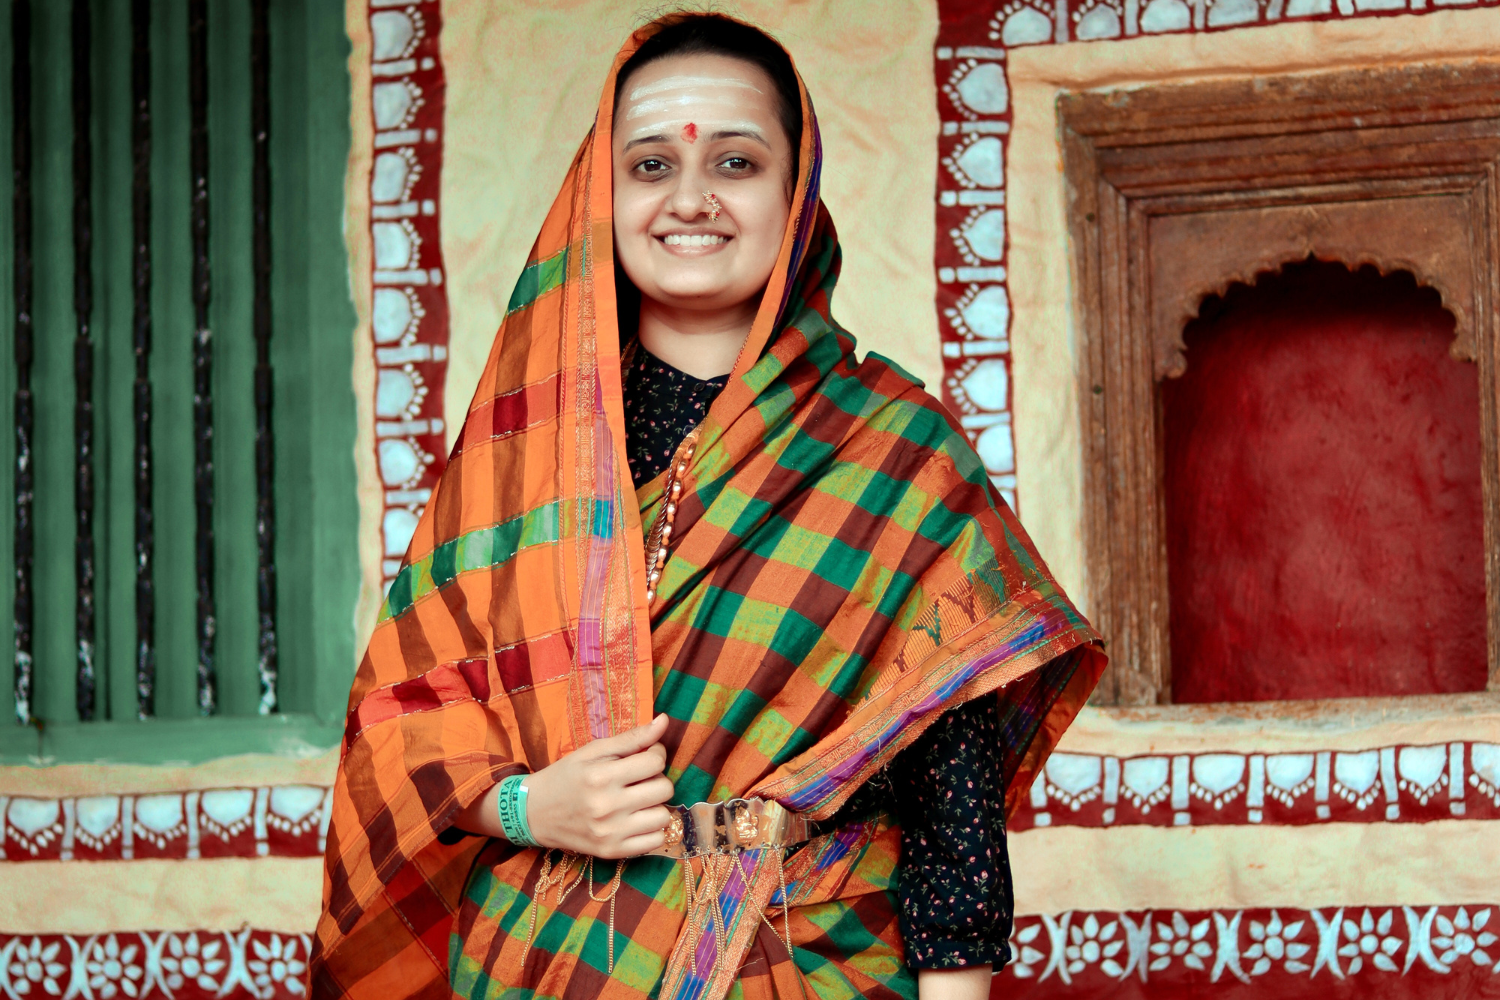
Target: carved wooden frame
<point>1177,191</point>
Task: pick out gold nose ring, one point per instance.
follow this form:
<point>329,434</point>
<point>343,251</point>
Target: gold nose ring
<point>714,208</point>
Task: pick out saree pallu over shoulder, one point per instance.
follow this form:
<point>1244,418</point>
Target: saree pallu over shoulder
<point>840,573</point>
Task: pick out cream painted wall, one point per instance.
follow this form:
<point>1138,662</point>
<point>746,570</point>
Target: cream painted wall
<point>523,82</point>
<point>1043,338</point>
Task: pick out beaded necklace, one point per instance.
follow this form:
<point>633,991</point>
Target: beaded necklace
<point>661,529</point>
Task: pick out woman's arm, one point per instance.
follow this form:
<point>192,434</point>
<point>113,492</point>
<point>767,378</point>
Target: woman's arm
<point>970,983</point>
<point>605,800</point>
<point>954,879</point>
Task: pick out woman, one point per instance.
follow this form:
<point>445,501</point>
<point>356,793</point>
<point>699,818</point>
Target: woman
<point>688,685</point>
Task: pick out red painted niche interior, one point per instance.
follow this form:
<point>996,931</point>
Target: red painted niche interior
<point>1325,536</point>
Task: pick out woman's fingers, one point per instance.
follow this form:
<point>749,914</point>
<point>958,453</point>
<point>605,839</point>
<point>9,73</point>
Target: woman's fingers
<point>634,847</point>
<point>637,767</point>
<point>630,742</point>
<point>642,843</point>
<point>645,821</point>
<point>646,794</point>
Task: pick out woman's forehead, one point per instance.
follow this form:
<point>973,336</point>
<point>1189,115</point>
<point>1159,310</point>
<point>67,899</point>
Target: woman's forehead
<point>702,85</point>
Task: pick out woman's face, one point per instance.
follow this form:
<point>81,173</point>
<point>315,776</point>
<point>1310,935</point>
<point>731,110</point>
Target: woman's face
<point>688,127</point>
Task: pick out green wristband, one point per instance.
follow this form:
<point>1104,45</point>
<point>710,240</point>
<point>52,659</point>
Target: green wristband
<point>511,806</point>
<point>522,811</point>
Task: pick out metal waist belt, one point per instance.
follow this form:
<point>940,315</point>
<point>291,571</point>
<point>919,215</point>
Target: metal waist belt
<point>727,827</point>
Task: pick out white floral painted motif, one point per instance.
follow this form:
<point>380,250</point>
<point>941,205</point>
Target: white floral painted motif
<point>98,821</point>
<point>276,964</point>
<point>295,809</point>
<point>394,175</point>
<point>978,88</point>
<point>1370,939</point>
<point>1097,23</point>
<point>1462,938</point>
<point>1423,771</point>
<point>226,811</point>
<point>1074,779</point>
<point>160,819</point>
<point>34,966</point>
<point>1275,942</point>
<point>395,33</point>
<point>1145,781</point>
<point>113,970</point>
<point>1289,776</point>
<point>1354,777</point>
<point>986,384</point>
<point>1484,769</point>
<point>188,961</point>
<point>981,236</point>
<point>1026,956</point>
<point>1175,939</point>
<point>1138,941</point>
<point>396,316</point>
<point>1020,24</point>
<point>1089,943</point>
<point>395,104</point>
<point>399,393</point>
<point>398,246</point>
<point>1218,777</point>
<point>34,823</point>
<point>983,312</point>
<point>979,163</point>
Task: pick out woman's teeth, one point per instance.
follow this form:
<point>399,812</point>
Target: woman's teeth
<point>697,240</point>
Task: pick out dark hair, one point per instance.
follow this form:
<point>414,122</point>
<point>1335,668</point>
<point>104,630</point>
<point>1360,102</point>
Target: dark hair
<point>714,34</point>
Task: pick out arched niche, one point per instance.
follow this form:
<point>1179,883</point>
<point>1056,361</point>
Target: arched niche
<point>1322,493</point>
<point>1178,191</point>
<point>1196,256</point>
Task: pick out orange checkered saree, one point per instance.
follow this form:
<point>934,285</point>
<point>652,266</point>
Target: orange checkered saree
<point>841,573</point>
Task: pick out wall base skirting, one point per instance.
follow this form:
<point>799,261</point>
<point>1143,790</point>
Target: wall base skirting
<point>173,965</point>
<point>1387,951</point>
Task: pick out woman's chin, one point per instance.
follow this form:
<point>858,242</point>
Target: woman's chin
<point>697,295</point>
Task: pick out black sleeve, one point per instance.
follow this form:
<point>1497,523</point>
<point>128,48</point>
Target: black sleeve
<point>954,879</point>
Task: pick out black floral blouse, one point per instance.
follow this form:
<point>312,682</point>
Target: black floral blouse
<point>954,880</point>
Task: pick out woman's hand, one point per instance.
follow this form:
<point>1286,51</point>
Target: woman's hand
<point>605,800</point>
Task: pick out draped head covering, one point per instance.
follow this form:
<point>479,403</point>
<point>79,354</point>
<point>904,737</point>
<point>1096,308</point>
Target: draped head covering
<point>841,572</point>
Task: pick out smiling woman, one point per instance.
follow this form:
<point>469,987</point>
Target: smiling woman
<point>698,592</point>
<point>703,169</point>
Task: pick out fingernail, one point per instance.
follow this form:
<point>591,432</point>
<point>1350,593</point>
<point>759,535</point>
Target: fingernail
<point>659,717</point>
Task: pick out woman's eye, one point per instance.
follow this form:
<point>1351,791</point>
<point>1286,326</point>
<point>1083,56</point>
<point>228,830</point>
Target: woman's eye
<point>651,166</point>
<point>736,164</point>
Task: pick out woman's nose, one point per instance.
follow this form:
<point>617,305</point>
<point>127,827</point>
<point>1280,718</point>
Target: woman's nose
<point>687,202</point>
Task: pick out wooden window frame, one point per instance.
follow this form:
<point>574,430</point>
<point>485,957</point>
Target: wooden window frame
<point>1177,191</point>
<point>315,413</point>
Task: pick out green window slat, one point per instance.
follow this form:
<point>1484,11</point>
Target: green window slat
<point>313,412</point>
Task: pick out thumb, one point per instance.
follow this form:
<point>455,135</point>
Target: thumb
<point>635,740</point>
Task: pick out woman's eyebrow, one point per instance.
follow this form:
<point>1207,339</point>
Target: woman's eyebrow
<point>753,134</point>
<point>643,140</point>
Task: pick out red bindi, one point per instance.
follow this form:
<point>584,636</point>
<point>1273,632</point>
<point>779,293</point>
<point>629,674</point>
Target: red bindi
<point>690,132</point>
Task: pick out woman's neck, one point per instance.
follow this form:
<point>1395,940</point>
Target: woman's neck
<point>704,344</point>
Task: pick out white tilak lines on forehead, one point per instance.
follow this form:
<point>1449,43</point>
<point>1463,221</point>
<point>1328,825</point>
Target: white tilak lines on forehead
<point>707,128</point>
<point>689,100</point>
<point>683,82</point>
